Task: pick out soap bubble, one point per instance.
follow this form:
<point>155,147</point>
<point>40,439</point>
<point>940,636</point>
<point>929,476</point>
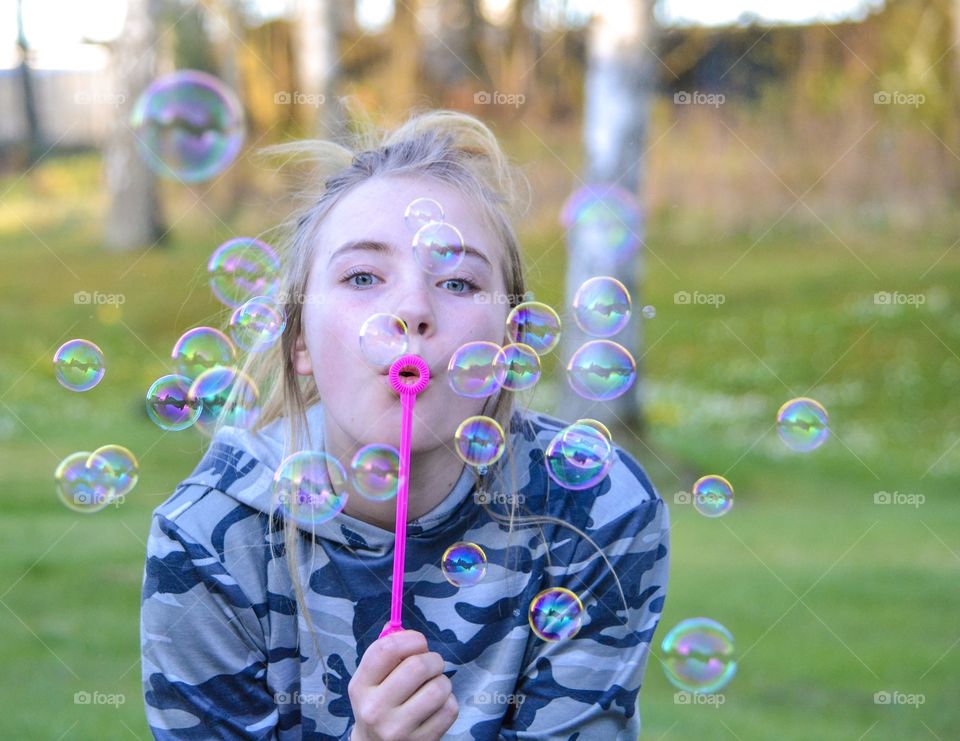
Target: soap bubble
<point>476,369</point>
<point>188,126</point>
<point>479,441</point>
<point>712,496</point>
<point>78,365</point>
<point>648,311</point>
<point>80,488</point>
<point>242,268</point>
<point>603,218</point>
<point>311,487</point>
<point>601,306</point>
<point>534,324</point>
<point>555,614</point>
<point>383,339</point>
<point>522,366</point>
<point>578,456</point>
<point>375,471</point>
<point>228,396</point>
<point>438,247</point>
<point>601,370</point>
<point>803,424</point>
<point>422,211</point>
<point>257,324</point>
<point>597,425</point>
<point>169,405</point>
<point>201,349</point>
<point>464,564</point>
<point>698,655</point>
<point>117,465</point>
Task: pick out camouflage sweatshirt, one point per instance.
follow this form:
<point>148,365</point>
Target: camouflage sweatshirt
<point>226,654</point>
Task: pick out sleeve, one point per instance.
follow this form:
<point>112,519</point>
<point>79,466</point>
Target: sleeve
<point>202,647</point>
<point>587,687</point>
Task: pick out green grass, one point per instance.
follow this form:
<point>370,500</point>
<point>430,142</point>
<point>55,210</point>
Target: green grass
<point>877,605</point>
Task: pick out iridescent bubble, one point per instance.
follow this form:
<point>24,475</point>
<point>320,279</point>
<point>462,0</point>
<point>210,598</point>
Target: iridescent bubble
<point>601,370</point>
<point>169,405</point>
<point>604,219</point>
<point>438,247</point>
<point>698,655</point>
<point>534,324</point>
<point>188,126</point>
<point>311,487</point>
<point>80,488</point>
<point>257,324</point>
<point>116,465</point>
<point>78,365</point>
<point>578,456</point>
<point>479,441</point>
<point>598,426</point>
<point>476,369</point>
<point>464,564</point>
<point>522,366</point>
<point>383,339</point>
<point>555,614</point>
<point>648,311</point>
<point>422,211</point>
<point>227,396</point>
<point>712,496</point>
<point>601,306</point>
<point>375,471</point>
<point>802,424</point>
<point>241,269</point>
<point>201,349</point>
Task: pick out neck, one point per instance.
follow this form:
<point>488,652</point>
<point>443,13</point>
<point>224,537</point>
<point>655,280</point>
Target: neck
<point>433,474</point>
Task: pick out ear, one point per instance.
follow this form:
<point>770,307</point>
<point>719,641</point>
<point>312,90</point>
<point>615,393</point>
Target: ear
<point>301,357</point>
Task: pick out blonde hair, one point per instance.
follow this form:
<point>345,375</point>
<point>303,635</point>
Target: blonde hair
<point>456,149</point>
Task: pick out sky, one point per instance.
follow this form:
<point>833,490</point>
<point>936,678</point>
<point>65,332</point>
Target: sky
<point>55,28</point>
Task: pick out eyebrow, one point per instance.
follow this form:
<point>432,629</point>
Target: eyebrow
<point>369,245</point>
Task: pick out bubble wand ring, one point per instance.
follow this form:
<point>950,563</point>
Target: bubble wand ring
<point>408,395</point>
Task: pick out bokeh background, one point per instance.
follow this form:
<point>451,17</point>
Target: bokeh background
<point>796,167</point>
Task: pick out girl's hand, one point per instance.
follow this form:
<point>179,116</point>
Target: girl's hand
<point>399,691</point>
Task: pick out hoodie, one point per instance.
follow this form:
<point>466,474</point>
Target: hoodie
<point>226,654</point>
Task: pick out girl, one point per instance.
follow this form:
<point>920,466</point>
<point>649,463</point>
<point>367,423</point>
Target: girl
<point>260,626</point>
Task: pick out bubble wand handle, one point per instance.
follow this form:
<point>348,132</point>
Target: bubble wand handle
<point>408,387</point>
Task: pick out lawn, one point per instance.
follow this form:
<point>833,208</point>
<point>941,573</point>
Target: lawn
<point>831,597</point>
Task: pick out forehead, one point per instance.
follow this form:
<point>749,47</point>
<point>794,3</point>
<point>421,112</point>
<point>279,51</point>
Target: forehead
<point>375,210</point>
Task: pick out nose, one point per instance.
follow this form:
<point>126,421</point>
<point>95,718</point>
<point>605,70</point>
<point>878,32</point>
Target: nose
<point>417,310</point>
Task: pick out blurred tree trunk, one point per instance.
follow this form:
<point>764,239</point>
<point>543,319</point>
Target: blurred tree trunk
<point>34,134</point>
<point>519,62</point>
<point>134,219</point>
<point>316,51</point>
<point>454,47</point>
<point>404,43</point>
<point>617,107</point>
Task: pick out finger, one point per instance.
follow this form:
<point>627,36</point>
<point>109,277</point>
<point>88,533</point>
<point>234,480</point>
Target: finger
<point>412,673</point>
<point>385,654</point>
<point>434,728</point>
<point>426,700</point>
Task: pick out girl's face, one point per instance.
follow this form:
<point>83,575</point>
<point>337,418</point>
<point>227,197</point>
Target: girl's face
<point>363,265</point>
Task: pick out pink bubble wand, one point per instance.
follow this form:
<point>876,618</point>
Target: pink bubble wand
<point>408,387</point>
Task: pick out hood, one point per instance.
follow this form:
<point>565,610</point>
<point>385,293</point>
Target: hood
<point>242,464</point>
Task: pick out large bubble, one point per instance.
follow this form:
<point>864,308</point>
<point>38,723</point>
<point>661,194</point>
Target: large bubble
<point>201,349</point>
<point>241,269</point>
<point>601,306</point>
<point>522,366</point>
<point>438,247</point>
<point>257,324</point>
<point>81,488</point>
<point>422,211</point>
<point>534,324</point>
<point>803,424</point>
<point>698,655</point>
<point>601,370</point>
<point>712,496</point>
<point>579,456</point>
<point>311,487</point>
<point>479,441</point>
<point>476,369</point>
<point>383,339</point>
<point>603,218</point>
<point>375,471</point>
<point>227,396</point>
<point>169,405</point>
<point>555,614</point>
<point>78,365</point>
<point>188,126</point>
<point>117,466</point>
<point>464,564</point>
